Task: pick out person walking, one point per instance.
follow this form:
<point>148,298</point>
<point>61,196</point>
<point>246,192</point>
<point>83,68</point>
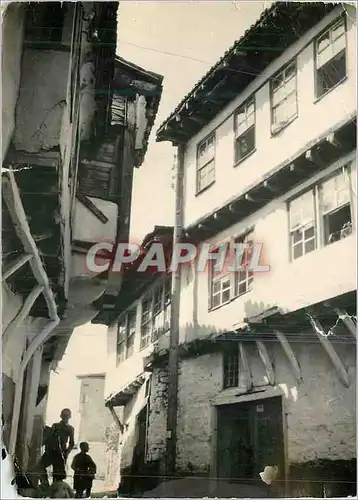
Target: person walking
<point>84,471</point>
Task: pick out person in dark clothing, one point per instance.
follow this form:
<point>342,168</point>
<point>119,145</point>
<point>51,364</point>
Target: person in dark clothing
<point>58,445</point>
<point>85,470</point>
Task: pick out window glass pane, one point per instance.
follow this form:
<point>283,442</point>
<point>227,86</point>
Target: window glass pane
<point>226,296</point>
<point>297,236</point>
<point>309,246</point>
<point>309,233</point>
<point>278,95</point>
<point>290,72</point>
<point>302,210</point>
<point>290,87</point>
<point>297,251</point>
<point>277,82</point>
<point>216,301</point>
<point>338,30</point>
<point>251,108</point>
<point>339,45</point>
<point>323,42</point>
<point>279,113</point>
<point>216,286</point>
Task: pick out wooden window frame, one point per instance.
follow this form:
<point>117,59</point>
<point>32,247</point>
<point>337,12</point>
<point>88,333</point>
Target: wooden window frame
<point>206,164</point>
<point>277,127</point>
<point>345,170</point>
<point>121,341</point>
<point>233,277</point>
<point>231,368</point>
<point>303,227</point>
<point>164,287</point>
<point>130,332</point>
<point>341,54</point>
<point>44,40</point>
<point>250,129</point>
<point>319,214</point>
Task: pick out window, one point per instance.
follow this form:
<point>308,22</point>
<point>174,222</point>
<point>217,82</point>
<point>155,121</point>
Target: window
<point>231,368</point>
<point>283,97</point>
<point>156,313</point>
<point>121,339</point>
<point>146,326</point>
<point>302,225</point>
<point>245,130</point>
<point>205,175</point>
<point>131,329</point>
<point>226,284</point>
<point>335,207</point>
<point>44,22</point>
<point>331,58</point>
<point>334,215</point>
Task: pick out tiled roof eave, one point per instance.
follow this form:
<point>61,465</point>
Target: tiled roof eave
<point>278,27</point>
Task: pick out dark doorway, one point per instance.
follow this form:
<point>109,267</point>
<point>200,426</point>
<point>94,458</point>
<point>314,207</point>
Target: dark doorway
<point>249,437</point>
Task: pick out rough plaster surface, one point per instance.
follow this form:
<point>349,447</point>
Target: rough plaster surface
<point>41,102</point>
<point>12,36</point>
<point>157,415</point>
<point>320,413</point>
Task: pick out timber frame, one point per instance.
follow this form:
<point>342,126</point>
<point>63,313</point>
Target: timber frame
<point>312,159</point>
<point>285,329</point>
<point>278,27</point>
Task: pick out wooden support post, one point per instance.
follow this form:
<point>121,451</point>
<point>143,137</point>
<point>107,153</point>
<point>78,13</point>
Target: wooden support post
<point>173,361</point>
<point>244,369</point>
<point>12,267</point>
<point>12,199</point>
<point>24,312</point>
<point>290,354</point>
<point>29,404</point>
<point>328,347</point>
<point>118,423</point>
<point>266,361</point>
<point>347,320</point>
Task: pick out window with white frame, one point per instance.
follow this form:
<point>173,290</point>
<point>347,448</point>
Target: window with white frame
<point>245,130</point>
<point>331,65</point>
<point>121,339</point>
<point>335,207</point>
<point>302,224</point>
<point>146,324</point>
<point>131,329</point>
<point>284,106</point>
<point>126,335</point>
<point>156,313</point>
<point>332,214</point>
<point>205,174</point>
<point>226,284</point>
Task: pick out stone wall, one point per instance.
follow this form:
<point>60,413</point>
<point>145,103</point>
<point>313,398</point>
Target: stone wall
<point>319,419</point>
<point>157,420</point>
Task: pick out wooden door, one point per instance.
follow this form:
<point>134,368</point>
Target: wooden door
<point>249,437</point>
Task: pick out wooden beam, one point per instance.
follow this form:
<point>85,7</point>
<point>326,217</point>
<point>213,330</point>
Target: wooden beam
<point>347,320</point>
<point>332,139</point>
<point>12,199</point>
<point>92,207</point>
<point>326,344</point>
<point>23,313</point>
<point>290,354</point>
<point>312,157</point>
<point>268,185</point>
<point>232,208</point>
<point>14,266</point>
<point>266,361</point>
<point>248,197</point>
<point>49,159</point>
<point>244,368</point>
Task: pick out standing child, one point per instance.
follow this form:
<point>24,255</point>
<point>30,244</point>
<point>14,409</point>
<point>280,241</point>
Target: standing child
<point>85,470</point>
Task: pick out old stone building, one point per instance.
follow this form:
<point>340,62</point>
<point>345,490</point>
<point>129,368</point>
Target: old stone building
<point>76,120</point>
<point>261,367</point>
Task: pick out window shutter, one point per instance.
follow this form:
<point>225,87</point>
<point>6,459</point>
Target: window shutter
<point>97,179</point>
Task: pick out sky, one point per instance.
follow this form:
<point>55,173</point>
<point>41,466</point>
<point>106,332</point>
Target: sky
<point>181,41</point>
